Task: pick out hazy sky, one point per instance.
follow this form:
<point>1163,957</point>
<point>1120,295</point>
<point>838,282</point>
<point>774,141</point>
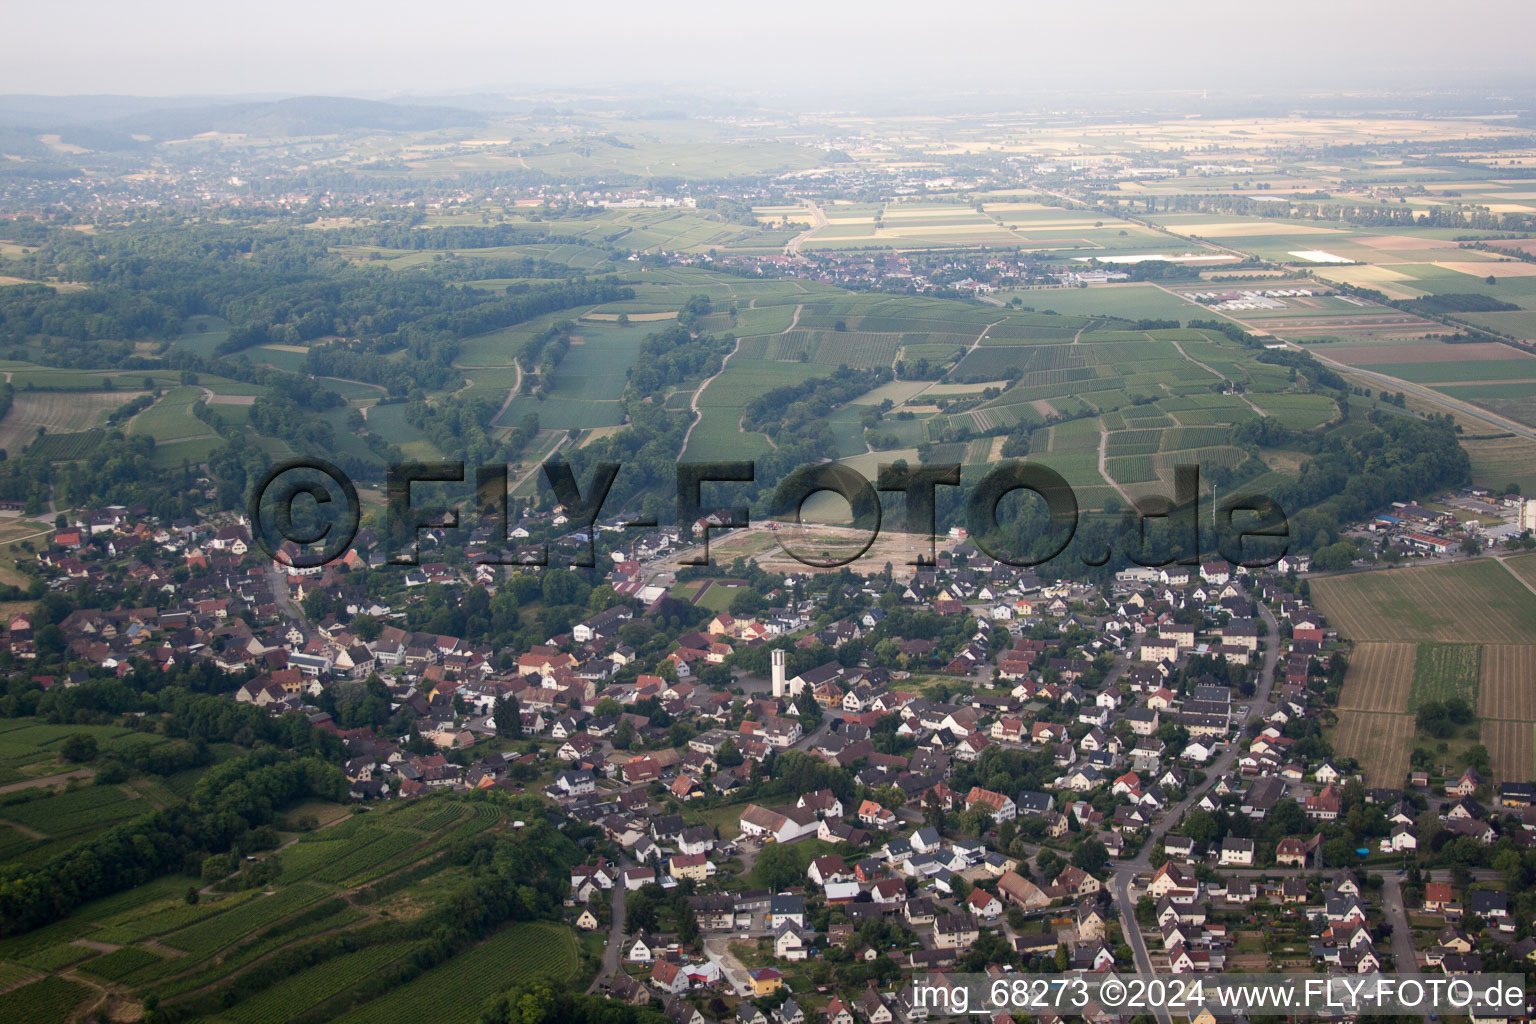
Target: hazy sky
<point>384,47</point>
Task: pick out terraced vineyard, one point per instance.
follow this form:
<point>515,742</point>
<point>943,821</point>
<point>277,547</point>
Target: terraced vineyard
<point>455,991</point>
<point>152,939</point>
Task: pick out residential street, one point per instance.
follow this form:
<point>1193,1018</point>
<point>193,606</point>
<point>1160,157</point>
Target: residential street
<point>1125,873</point>
<point>1403,957</point>
<point>615,945</point>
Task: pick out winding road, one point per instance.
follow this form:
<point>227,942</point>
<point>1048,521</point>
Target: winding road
<point>818,221</point>
<point>693,404</point>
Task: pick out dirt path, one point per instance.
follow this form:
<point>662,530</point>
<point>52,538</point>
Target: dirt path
<point>30,833</point>
<point>517,385</point>
<point>380,388</point>
<point>1212,370</point>
<point>48,780</point>
<point>693,403</point>
<point>794,319</point>
<point>103,993</point>
<point>1104,472</point>
<point>1523,581</point>
<point>100,947</point>
<point>973,347</point>
<point>516,484</point>
<point>40,533</point>
<point>36,975</point>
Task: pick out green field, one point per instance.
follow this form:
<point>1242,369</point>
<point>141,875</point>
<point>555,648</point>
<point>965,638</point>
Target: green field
<point>1466,602</point>
<point>46,1001</point>
<point>718,434</point>
<point>588,382</point>
<point>1443,671</point>
<point>1461,372</point>
<point>454,991</point>
<point>175,948</point>
<point>170,419</point>
<point>1131,301</point>
<point>202,335</point>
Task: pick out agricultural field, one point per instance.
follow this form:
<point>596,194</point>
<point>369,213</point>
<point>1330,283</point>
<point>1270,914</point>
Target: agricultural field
<point>1501,460</point>
<point>390,422</point>
<point>1476,601</point>
<point>284,357</point>
<point>455,990</point>
<point>1523,566</point>
<point>1443,672</point>
<point>718,434</point>
<point>1512,749</point>
<point>1507,689</point>
<point>57,412</point>
<point>1507,707</point>
<point>171,419</point>
<point>588,382</point>
<point>1127,300</point>
<point>150,939</point>
<point>1380,678</point>
<point>1381,742</point>
<point>202,335</point>
<point>30,749</point>
<point>1429,634</point>
<point>1023,368</point>
<point>45,1001</point>
<point>1514,400</point>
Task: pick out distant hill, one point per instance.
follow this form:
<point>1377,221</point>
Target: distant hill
<point>108,122</point>
<point>302,115</point>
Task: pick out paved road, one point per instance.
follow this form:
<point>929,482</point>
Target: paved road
<point>615,946</point>
<point>1438,397</point>
<point>282,595</point>
<point>1403,958</point>
<point>818,221</point>
<point>1120,883</point>
<point>1397,916</point>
